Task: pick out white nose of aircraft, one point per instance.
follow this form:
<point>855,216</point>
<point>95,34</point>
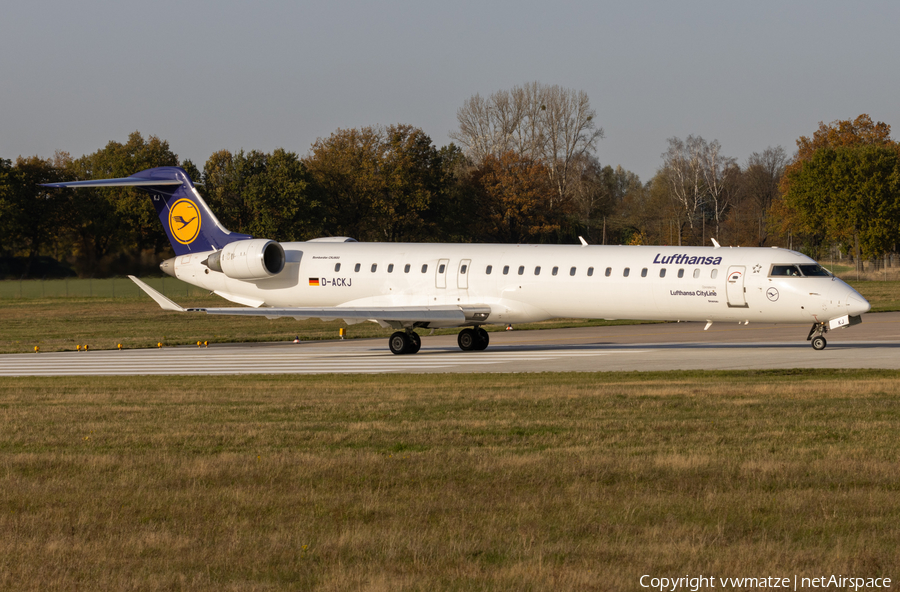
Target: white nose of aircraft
<point>858,304</point>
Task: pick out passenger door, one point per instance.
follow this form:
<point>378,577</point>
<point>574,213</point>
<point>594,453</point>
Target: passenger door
<point>734,287</point>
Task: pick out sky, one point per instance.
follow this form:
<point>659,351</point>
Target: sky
<point>212,75</point>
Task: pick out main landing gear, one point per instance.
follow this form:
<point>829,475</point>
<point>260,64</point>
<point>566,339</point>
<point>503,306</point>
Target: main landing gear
<point>817,336</point>
<point>409,342</point>
<point>476,339</point>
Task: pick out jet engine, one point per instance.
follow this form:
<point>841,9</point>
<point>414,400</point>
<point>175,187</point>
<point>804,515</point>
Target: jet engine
<point>254,259</point>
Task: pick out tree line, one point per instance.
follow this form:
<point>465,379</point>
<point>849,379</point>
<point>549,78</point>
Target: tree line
<point>522,168</point>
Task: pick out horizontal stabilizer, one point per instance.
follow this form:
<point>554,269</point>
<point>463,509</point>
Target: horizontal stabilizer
<point>189,224</point>
<point>125,182</point>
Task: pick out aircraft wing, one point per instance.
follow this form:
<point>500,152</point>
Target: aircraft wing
<point>402,315</point>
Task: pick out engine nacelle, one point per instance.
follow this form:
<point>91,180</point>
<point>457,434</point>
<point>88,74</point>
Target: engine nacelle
<point>255,259</point>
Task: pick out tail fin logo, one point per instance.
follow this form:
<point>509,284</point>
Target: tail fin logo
<point>184,221</point>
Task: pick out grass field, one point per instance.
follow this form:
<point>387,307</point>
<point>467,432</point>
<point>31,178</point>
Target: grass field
<point>57,324</point>
<point>120,287</point>
<point>484,482</point>
<point>102,322</point>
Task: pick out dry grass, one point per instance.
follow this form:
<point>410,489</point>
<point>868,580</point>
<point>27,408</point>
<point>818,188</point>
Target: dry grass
<point>884,296</point>
<point>59,324</point>
<point>480,482</point>
<point>867,273</point>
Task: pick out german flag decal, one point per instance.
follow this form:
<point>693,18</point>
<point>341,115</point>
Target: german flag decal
<point>313,281</point>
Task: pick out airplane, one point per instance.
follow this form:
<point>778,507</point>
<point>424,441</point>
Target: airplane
<point>406,286</point>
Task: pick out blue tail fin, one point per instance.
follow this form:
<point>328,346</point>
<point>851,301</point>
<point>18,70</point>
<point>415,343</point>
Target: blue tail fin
<point>189,223</point>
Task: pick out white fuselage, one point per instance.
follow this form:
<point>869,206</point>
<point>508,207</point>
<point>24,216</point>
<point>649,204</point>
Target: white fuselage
<point>527,283</point>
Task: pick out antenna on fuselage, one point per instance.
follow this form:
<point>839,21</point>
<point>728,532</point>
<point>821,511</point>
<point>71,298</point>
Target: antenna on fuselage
<point>716,244</point>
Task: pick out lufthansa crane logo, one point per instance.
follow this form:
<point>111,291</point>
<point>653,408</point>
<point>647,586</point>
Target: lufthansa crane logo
<point>184,221</point>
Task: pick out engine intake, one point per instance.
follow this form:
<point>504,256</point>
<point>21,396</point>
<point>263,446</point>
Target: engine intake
<point>255,259</point>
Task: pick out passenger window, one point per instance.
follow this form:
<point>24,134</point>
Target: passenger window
<point>488,269</point>
<point>713,274</point>
<point>356,268</point>
<point>696,273</point>
<point>505,269</point>
<point>644,272</point>
<point>521,269</point>
<point>662,272</point>
<point>608,271</point>
<point>374,267</point>
<point>337,266</point>
<point>441,268</point>
<point>391,268</point>
<point>681,273</point>
<point>590,271</point>
<point>537,270</point>
<point>572,271</point>
<point>626,271</point>
<point>555,270</point>
<point>463,269</point>
<point>424,268</point>
<point>406,268</point>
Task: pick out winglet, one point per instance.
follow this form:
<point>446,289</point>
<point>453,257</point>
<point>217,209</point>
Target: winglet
<point>164,302</point>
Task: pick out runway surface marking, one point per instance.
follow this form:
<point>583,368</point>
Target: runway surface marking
<point>268,360</point>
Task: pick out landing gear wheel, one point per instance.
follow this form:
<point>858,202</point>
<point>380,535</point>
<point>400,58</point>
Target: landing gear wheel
<point>400,343</point>
<point>482,339</point>
<point>415,342</point>
<point>467,340</point>
<point>819,343</point>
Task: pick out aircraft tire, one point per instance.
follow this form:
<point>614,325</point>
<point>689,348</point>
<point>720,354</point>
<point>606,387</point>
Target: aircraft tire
<point>482,339</point>
<point>819,343</point>
<point>399,343</point>
<point>467,340</point>
<point>415,342</point>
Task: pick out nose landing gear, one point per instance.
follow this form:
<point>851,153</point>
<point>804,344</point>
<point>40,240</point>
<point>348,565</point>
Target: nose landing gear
<point>817,336</point>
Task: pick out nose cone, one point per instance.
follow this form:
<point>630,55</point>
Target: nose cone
<point>857,304</point>
<point>168,267</point>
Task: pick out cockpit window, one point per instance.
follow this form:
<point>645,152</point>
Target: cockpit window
<point>784,270</point>
<point>814,271</point>
<point>810,270</point>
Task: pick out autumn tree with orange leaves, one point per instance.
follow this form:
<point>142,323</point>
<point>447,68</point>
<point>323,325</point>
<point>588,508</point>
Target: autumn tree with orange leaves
<point>511,199</point>
<point>843,185</point>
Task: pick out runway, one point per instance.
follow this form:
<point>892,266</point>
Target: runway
<point>670,346</point>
